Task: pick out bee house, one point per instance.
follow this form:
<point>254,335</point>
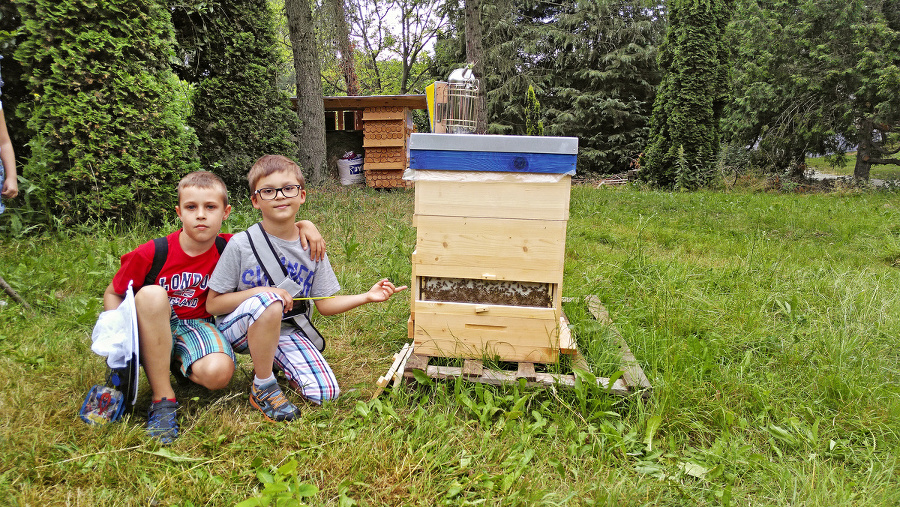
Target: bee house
<point>487,271</point>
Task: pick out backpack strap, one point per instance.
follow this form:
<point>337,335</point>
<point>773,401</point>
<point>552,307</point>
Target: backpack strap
<point>160,253</point>
<point>220,244</point>
<point>277,275</point>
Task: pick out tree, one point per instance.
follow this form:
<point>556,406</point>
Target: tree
<point>392,48</point>
<point>533,124</point>
<point>604,80</point>
<point>592,65</point>
<point>228,51</point>
<point>816,77</point>
<point>475,57</point>
<point>108,115</point>
<point>685,126</point>
<point>310,107</point>
<point>344,46</point>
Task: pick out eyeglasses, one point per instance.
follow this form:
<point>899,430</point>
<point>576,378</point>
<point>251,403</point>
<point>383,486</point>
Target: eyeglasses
<point>288,191</point>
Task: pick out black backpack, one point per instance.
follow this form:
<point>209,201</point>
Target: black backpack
<point>161,252</point>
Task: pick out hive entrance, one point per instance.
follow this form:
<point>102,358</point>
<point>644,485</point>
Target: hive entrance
<point>493,292</point>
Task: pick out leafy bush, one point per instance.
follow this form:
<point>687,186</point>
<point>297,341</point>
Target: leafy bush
<point>108,114</point>
<point>229,52</point>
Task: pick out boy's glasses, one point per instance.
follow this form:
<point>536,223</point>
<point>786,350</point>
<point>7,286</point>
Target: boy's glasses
<point>288,191</point>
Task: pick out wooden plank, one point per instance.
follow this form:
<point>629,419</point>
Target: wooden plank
<point>378,143</point>
<point>579,362</point>
<point>478,312</point>
<point>472,368</point>
<point>401,368</point>
<point>567,343</point>
<point>493,245</point>
<point>501,199</point>
<point>469,330</point>
<point>493,349</point>
<point>492,161</point>
<point>511,273</point>
<point>370,115</point>
<point>364,101</point>
<point>526,371</point>
<point>498,377</point>
<point>417,361</point>
<point>368,166</point>
<point>632,372</point>
<point>399,358</point>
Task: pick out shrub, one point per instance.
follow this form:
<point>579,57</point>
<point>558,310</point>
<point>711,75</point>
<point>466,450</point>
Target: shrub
<point>229,52</point>
<point>108,114</point>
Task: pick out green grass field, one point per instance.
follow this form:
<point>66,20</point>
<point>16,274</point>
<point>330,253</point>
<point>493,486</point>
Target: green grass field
<point>882,172</point>
<point>768,324</point>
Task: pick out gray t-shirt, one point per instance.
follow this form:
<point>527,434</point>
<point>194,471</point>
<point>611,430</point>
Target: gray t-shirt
<point>238,269</point>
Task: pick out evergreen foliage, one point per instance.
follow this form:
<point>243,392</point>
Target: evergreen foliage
<point>533,124</point>
<point>591,64</point>
<point>228,50</point>
<point>13,91</point>
<point>691,96</point>
<point>815,77</point>
<point>605,80</point>
<point>108,114</point>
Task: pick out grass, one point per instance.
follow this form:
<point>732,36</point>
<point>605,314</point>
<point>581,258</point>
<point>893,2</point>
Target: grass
<point>767,323</point>
<point>846,165</point>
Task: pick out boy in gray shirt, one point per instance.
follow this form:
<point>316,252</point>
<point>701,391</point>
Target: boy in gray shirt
<point>251,311</point>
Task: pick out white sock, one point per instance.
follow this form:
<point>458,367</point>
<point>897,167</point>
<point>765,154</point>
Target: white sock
<point>258,382</point>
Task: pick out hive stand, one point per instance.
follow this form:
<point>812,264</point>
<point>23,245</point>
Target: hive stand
<point>632,381</point>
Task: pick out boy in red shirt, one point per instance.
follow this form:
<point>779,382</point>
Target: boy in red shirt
<point>174,328</point>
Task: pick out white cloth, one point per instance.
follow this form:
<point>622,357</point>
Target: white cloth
<point>115,335</point>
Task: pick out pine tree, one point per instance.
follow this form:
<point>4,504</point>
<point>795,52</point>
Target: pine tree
<point>691,97</point>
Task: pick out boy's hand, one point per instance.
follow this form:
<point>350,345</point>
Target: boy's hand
<point>311,239</point>
<point>285,297</point>
<point>382,291</point>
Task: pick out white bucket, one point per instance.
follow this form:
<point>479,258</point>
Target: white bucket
<point>350,170</point>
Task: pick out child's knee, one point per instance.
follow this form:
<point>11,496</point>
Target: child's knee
<point>152,299</point>
<point>273,312</point>
<point>213,371</point>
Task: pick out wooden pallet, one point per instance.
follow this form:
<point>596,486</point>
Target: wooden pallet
<point>632,381</point>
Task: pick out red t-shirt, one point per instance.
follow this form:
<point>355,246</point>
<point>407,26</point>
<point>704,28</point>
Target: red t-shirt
<point>185,278</point>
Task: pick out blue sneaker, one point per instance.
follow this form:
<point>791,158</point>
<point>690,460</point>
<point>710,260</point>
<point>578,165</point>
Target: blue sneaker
<point>269,400</point>
<point>162,421</point>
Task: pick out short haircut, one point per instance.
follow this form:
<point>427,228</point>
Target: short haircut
<point>203,179</point>
<point>270,164</point>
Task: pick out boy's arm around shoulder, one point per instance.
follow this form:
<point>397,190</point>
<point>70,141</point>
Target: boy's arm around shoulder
<point>381,291</point>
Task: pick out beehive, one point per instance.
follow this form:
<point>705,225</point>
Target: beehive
<point>487,271</point>
<point>386,131</point>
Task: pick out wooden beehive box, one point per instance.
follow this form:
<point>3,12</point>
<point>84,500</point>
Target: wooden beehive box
<point>386,130</point>
<point>490,218</point>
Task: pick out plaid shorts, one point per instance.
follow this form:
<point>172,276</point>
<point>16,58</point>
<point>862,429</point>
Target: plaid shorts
<point>194,339</point>
<point>296,356</point>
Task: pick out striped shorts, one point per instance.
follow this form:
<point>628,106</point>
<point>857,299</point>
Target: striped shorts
<point>194,339</point>
<point>302,363</point>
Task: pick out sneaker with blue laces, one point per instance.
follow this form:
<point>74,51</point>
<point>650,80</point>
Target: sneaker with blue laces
<point>269,400</point>
<point>162,421</point>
